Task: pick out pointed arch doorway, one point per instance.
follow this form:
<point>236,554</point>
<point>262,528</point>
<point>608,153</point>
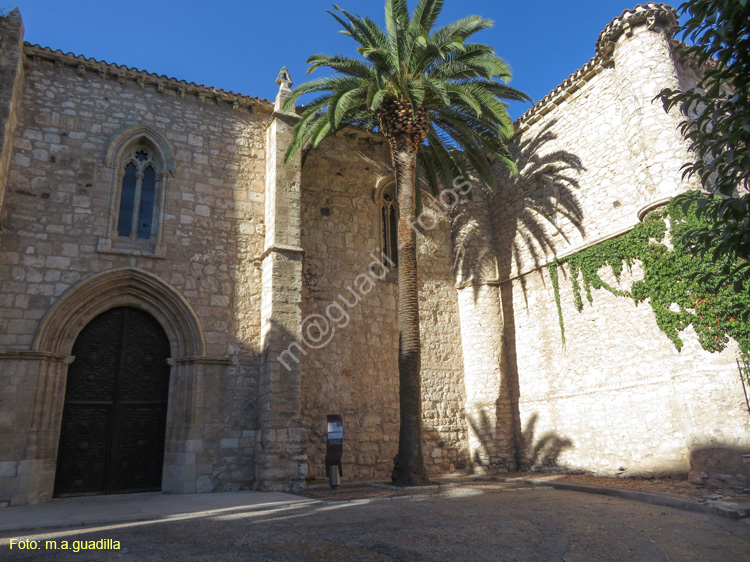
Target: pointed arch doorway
<point>114,415</point>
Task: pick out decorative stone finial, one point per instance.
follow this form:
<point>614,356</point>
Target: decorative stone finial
<point>284,80</point>
<point>15,14</point>
<point>285,83</point>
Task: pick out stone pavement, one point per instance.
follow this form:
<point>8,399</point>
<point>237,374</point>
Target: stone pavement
<point>732,506</point>
<point>124,508</point>
<point>487,522</point>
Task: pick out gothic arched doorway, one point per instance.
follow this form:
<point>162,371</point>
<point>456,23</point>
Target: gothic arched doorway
<point>114,417</point>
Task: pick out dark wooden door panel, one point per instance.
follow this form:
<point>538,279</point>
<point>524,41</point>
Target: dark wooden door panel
<point>141,449</point>
<point>83,449</point>
<point>114,419</point>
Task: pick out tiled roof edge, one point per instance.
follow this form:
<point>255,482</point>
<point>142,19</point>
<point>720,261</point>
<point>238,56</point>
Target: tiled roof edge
<point>650,14</point>
<point>557,96</point>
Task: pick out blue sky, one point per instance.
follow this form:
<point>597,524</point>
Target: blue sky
<point>241,45</point>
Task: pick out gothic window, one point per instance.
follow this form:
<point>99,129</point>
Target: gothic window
<point>140,163</point>
<point>136,216</point>
<point>388,207</point>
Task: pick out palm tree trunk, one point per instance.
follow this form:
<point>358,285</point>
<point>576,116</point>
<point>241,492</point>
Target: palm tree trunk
<point>408,466</point>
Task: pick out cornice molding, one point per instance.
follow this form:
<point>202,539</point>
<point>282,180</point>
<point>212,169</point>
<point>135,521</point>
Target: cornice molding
<point>651,14</point>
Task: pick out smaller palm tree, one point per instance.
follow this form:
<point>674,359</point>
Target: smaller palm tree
<point>436,98</point>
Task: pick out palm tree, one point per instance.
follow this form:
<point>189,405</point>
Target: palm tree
<point>436,99</point>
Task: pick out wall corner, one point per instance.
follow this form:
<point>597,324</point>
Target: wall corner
<point>11,88</point>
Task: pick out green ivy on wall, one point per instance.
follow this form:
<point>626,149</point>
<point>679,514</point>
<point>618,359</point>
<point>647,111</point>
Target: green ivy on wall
<point>670,274</point>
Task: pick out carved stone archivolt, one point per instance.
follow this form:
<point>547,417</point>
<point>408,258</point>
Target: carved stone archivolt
<point>121,287</point>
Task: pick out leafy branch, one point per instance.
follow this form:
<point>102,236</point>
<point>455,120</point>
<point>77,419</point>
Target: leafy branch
<point>670,280</point>
<point>717,126</point>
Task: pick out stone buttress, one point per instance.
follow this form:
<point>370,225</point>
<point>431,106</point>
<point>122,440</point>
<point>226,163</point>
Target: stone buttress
<point>281,462</point>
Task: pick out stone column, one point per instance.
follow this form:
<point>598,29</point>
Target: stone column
<point>488,408</point>
<point>33,387</point>
<point>281,463</point>
<point>192,422</point>
<point>638,43</point>
<point>11,87</point>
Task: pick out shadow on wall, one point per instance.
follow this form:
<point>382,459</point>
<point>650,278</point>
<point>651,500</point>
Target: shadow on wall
<point>474,256</point>
<point>543,450</point>
<point>523,221</point>
<point>548,183</point>
<point>540,204</point>
<point>531,451</point>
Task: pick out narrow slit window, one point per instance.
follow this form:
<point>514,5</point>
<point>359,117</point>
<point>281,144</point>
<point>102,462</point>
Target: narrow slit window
<point>146,211</point>
<point>127,201</point>
<point>389,222</point>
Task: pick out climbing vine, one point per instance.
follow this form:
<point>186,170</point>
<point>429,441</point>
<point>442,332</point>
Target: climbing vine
<point>556,286</point>
<point>670,280</point>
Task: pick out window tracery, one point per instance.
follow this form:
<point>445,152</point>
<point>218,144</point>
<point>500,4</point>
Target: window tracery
<point>140,162</point>
<point>139,184</point>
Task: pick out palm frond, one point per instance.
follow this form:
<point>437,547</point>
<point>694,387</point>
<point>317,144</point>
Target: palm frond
<point>335,83</point>
<point>415,92</point>
<point>346,102</point>
<point>448,162</point>
<point>464,28</point>
<point>461,84</point>
<point>426,13</point>
<point>396,17</point>
<point>344,65</point>
<point>369,33</point>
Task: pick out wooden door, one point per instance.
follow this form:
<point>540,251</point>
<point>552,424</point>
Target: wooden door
<point>114,419</point>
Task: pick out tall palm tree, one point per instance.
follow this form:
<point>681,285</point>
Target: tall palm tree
<point>436,99</point>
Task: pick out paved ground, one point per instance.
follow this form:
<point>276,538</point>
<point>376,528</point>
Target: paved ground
<point>456,524</point>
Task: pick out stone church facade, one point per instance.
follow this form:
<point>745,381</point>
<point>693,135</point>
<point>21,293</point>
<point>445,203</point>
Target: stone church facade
<point>180,310</point>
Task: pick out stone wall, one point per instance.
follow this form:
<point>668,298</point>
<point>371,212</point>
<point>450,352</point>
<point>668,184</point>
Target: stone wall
<point>280,308</point>
<point>356,373</point>
<point>281,462</point>
<point>596,404</point>
<point>11,85</point>
<point>491,401</point>
<point>56,214</point>
<point>444,389</point>
<point>617,397</point>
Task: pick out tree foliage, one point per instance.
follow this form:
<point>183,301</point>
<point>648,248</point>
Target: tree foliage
<point>437,99</point>
<point>717,125</point>
<point>670,279</point>
<point>460,84</point>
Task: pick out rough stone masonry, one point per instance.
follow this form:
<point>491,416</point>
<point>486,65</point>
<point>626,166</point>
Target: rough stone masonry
<point>242,251</point>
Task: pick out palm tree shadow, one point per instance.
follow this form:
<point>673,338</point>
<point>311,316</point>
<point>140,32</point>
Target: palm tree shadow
<point>535,210</point>
<point>548,210</point>
<point>474,256</point>
<point>545,450</point>
<point>534,452</point>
